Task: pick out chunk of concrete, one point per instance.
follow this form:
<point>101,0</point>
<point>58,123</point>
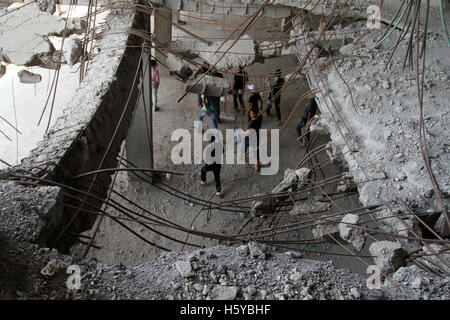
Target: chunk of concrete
<point>302,174</point>
<point>185,268</point>
<point>209,85</point>
<point>351,235</point>
<point>327,230</point>
<point>29,77</point>
<point>437,259</point>
<point>257,250</point>
<point>47,5</point>
<point>223,293</point>
<point>388,256</point>
<point>289,182</point>
<point>72,50</point>
<point>51,268</point>
<point>264,206</point>
<point>441,226</point>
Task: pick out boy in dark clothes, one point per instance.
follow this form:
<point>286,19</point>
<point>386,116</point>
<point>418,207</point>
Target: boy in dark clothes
<point>215,168</point>
<point>253,101</point>
<point>240,78</point>
<point>255,124</point>
<point>310,112</point>
<point>276,87</point>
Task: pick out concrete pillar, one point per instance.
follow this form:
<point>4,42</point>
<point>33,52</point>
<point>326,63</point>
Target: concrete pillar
<point>162,29</point>
<point>176,16</point>
<point>138,150</point>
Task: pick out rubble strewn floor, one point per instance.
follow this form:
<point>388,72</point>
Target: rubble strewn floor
<point>356,201</point>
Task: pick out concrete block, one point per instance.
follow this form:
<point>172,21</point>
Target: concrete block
<point>388,256</point>
<point>29,77</point>
<point>220,292</point>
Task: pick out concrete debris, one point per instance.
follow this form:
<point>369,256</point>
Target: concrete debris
<point>51,268</point>
<point>263,206</point>
<point>351,235</point>
<point>209,85</point>
<point>257,250</point>
<point>29,77</point>
<point>441,226</point>
<point>309,207</point>
<point>185,268</point>
<point>183,71</point>
<point>327,230</point>
<point>242,53</point>
<point>223,293</point>
<point>47,5</point>
<point>302,174</point>
<point>243,249</point>
<point>388,256</point>
<point>438,263</point>
<point>72,50</point>
<point>24,34</point>
<point>346,184</point>
<point>289,183</point>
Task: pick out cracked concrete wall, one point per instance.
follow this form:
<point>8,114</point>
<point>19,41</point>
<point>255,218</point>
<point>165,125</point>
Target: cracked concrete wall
<point>78,140</point>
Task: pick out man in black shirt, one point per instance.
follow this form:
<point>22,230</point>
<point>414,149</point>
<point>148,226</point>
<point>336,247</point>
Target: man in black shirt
<point>201,70</point>
<point>255,124</point>
<point>253,101</point>
<point>215,168</point>
<point>310,112</point>
<point>276,87</point>
<point>240,78</point>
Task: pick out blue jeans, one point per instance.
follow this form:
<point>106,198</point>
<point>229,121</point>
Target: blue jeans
<point>299,130</point>
<point>154,97</point>
<point>212,115</point>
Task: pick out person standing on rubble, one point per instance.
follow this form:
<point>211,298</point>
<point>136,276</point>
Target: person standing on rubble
<point>214,167</point>
<point>240,78</point>
<point>155,84</point>
<point>310,112</point>
<point>254,101</point>
<point>275,93</point>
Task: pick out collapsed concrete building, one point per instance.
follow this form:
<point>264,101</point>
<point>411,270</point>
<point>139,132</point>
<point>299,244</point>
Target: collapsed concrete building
<point>371,190</point>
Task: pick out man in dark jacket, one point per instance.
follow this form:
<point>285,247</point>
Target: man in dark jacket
<point>275,93</point>
<point>215,168</point>
<point>240,78</point>
<point>310,112</point>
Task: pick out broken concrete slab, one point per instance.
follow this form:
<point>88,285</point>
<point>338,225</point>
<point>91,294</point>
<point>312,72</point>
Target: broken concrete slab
<point>388,256</point>
<point>289,183</point>
<point>220,292</point>
<point>241,53</point>
<point>185,268</point>
<point>209,85</point>
<point>23,33</point>
<point>26,76</point>
<point>438,263</point>
<point>302,174</point>
<point>327,230</point>
<point>264,206</point>
<point>47,5</point>
<point>72,50</point>
<point>349,234</point>
<point>441,226</point>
